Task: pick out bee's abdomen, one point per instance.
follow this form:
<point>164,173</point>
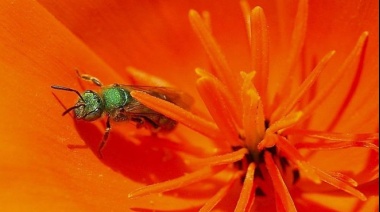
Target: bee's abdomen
<point>161,123</point>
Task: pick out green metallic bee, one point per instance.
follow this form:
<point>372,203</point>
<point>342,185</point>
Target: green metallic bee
<point>116,102</point>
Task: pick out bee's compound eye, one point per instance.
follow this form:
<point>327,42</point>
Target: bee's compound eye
<point>92,108</point>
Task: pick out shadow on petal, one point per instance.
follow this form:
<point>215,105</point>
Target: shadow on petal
<point>146,162</point>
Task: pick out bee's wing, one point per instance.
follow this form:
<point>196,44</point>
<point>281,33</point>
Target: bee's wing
<point>136,109</point>
<point>172,95</point>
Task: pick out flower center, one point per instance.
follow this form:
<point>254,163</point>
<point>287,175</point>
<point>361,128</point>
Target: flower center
<point>254,128</point>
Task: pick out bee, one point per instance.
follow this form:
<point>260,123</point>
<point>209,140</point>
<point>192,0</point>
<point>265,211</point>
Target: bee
<point>116,103</point>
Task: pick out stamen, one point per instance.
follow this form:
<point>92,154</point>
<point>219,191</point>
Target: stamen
<point>223,90</point>
<point>219,107</point>
<point>296,43</point>
<point>279,204</point>
<point>285,122</point>
<point>343,178</point>
<point>327,88</point>
<point>207,19</point>
<point>345,140</point>
<point>354,84</point>
<point>247,194</point>
<point>174,112</point>
<point>283,24</point>
<point>270,138</point>
<point>228,158</point>
<point>250,111</point>
<point>218,61</point>
<point>286,106</point>
<point>338,183</point>
<point>246,9</point>
<point>260,120</point>
<point>260,50</point>
<point>279,184</point>
<point>333,136</point>
<point>304,73</point>
<point>203,73</point>
<point>211,203</point>
<point>178,182</point>
<point>292,154</point>
<point>253,115</point>
<point>247,82</point>
<point>337,145</point>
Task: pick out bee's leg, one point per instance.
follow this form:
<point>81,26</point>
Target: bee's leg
<point>90,78</point>
<point>105,137</point>
<point>140,122</point>
<point>147,123</point>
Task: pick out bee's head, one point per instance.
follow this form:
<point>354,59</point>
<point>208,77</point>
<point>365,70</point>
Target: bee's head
<point>89,106</point>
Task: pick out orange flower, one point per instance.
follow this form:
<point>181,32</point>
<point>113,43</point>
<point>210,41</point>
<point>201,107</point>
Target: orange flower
<point>260,135</point>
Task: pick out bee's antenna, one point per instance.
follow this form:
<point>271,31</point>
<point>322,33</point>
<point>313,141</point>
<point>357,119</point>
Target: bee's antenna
<point>72,108</point>
<point>59,87</point>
